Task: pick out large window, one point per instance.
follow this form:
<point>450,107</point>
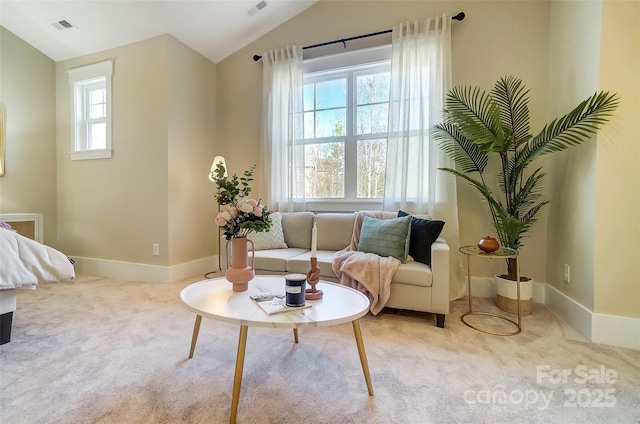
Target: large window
<point>346,104</point>
<point>91,112</point>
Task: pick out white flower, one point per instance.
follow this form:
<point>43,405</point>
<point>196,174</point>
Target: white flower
<point>245,207</point>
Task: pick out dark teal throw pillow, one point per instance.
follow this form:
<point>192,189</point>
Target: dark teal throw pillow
<point>423,233</point>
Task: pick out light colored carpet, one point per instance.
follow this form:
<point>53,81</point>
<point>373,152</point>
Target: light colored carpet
<point>103,350</point>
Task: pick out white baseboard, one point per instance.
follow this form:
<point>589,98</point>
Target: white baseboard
<point>485,287</point>
<point>599,328</point>
<point>569,310</point>
<point>616,331</point>
<point>145,272</point>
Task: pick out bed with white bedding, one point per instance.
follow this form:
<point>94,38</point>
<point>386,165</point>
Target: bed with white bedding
<point>25,263</point>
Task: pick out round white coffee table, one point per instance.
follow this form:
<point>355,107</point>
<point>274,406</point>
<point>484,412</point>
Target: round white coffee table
<point>215,299</point>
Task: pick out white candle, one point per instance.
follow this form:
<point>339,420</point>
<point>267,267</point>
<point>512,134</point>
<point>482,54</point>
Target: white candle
<point>314,240</point>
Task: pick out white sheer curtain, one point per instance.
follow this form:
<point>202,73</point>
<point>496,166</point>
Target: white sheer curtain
<point>420,80</point>
<point>282,154</point>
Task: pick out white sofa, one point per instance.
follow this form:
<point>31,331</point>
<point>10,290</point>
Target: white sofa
<point>415,286</point>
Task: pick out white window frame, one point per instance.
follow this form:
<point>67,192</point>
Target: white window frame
<point>373,59</point>
<point>80,80</point>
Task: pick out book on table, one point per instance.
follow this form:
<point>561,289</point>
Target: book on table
<point>275,303</point>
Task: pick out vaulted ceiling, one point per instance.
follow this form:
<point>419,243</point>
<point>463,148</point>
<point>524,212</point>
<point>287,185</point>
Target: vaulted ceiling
<point>214,28</point>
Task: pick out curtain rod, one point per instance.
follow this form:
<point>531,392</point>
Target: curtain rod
<point>459,17</point>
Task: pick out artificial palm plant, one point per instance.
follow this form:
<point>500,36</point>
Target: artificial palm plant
<point>478,124</point>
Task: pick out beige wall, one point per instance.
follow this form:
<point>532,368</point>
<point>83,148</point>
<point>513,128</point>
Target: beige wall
<point>617,230</point>
<point>117,208</point>
<point>27,93</point>
<point>191,141</point>
<point>495,39</point>
<point>593,222</point>
<point>574,52</point>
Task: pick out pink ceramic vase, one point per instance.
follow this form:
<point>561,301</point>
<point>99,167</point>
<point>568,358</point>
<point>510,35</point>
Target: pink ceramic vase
<point>239,273</point>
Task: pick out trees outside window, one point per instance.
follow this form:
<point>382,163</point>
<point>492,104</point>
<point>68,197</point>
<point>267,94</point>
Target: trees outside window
<point>345,132</point>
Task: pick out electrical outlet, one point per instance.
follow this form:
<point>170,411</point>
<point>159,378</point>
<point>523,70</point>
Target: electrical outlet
<point>567,273</point>
<point>156,250</point>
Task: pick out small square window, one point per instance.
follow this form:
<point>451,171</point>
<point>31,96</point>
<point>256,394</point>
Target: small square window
<point>91,117</point>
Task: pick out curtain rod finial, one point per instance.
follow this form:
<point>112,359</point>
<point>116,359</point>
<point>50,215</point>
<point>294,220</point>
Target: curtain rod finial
<point>256,57</point>
<point>459,17</point>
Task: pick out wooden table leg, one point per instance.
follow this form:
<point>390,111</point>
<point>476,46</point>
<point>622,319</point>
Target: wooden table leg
<point>363,355</point>
<point>295,335</point>
<point>194,337</point>
<point>237,380</point>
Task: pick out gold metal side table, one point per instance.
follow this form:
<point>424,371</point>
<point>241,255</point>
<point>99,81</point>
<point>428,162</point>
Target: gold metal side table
<point>501,253</point>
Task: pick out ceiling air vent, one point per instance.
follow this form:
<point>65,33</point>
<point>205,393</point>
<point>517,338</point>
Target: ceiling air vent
<point>256,8</point>
<point>62,24</point>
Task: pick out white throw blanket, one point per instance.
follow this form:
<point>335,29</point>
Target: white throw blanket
<point>25,262</point>
<point>366,272</point>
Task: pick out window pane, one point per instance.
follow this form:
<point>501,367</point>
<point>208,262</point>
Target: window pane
<point>309,125</point>
<point>97,136</point>
<point>330,123</point>
<point>96,111</point>
<point>90,114</point>
<point>372,119</point>
<point>372,88</point>
<point>371,168</point>
<point>372,93</point>
<point>324,170</point>
<point>96,102</point>
<point>331,94</point>
<point>97,96</point>
<point>342,106</point>
<point>309,98</point>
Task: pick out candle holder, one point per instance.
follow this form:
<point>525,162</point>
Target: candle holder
<point>313,276</point>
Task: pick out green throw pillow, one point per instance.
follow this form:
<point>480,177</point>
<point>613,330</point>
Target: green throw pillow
<point>386,237</point>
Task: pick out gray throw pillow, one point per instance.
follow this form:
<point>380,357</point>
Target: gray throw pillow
<point>386,237</point>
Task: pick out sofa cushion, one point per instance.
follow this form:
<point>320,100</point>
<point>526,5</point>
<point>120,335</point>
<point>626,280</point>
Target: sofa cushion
<point>423,233</point>
<point>413,274</point>
<point>334,230</point>
<point>386,237</point>
<point>272,239</point>
<point>302,263</point>
<point>275,260</point>
<point>297,229</point>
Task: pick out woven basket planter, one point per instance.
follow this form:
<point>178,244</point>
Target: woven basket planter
<point>507,295</point>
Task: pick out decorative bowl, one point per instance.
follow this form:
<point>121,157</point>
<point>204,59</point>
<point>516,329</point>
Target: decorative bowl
<point>488,244</point>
